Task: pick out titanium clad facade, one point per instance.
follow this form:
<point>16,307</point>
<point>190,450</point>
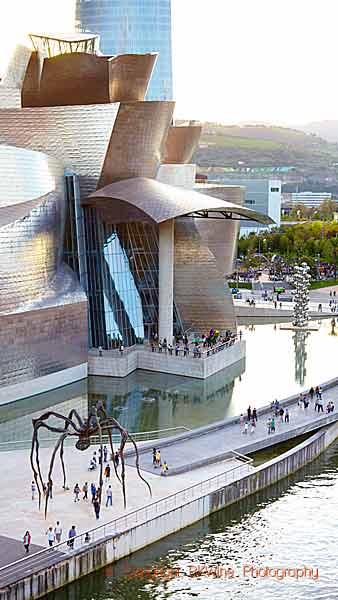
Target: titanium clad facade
<point>133,26</point>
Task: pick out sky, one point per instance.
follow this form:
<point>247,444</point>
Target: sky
<point>233,60</point>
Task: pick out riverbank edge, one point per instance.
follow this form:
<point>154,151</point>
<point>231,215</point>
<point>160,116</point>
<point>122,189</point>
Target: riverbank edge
<point>109,550</point>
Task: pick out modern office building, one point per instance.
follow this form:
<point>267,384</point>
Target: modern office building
<point>136,27</point>
<point>261,195</point>
<point>99,220</point>
<point>308,199</point>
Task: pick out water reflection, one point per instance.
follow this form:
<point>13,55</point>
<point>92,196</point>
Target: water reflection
<point>299,340</point>
<point>278,363</point>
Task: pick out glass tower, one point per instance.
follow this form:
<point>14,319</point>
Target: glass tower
<point>133,26</point>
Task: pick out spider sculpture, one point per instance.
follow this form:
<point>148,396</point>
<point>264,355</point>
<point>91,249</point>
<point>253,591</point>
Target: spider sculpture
<point>97,424</point>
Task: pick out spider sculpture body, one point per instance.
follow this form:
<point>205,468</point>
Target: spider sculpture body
<point>97,424</point>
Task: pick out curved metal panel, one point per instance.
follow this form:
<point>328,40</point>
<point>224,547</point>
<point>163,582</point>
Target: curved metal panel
<point>201,297</point>
<point>29,251</point>
<point>27,175</point>
<point>181,143</point>
<point>221,236</point>
<point>162,202</point>
<point>77,135</point>
<point>129,76</point>
<point>137,141</point>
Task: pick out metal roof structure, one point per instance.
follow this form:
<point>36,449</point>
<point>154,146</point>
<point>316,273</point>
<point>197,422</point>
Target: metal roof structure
<point>63,43</point>
<point>159,202</point>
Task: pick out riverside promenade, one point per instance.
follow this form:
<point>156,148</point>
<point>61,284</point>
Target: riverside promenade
<point>207,476</point>
<point>211,444</point>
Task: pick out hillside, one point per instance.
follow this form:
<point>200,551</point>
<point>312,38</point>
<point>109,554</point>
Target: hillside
<point>264,145</point>
<point>328,130</point>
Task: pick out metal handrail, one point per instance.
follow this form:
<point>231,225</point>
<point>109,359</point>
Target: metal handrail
<point>138,436</point>
<point>116,526</point>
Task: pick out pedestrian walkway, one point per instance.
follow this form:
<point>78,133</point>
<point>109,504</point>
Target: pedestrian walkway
<point>210,443</point>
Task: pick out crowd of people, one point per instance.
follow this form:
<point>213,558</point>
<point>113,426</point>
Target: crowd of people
<point>206,344</point>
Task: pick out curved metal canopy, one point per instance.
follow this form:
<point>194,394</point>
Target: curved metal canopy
<point>160,202</point>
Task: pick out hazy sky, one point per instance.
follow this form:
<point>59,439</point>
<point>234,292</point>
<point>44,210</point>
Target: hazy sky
<point>234,60</point>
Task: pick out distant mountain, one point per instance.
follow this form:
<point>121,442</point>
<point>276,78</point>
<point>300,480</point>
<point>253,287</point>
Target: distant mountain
<point>261,145</point>
<point>328,130</point>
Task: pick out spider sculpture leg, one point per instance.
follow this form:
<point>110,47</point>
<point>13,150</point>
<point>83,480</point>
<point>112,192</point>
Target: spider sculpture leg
<point>51,465</point>
<point>137,463</point>
<point>110,435</point>
<point>124,437</point>
<point>101,463</point>
<point>34,455</point>
<point>73,413</point>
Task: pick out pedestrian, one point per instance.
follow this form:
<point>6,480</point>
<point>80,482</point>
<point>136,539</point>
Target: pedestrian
<point>268,425</point>
<point>154,456</point>
<point>246,427</point>
<point>165,468</point>
<point>109,497</point>
<point>85,491</point>
<point>50,536</point>
<point>33,488</point>
<point>93,491</point>
<point>121,348</point>
<point>160,347</point>
<point>71,536</point>
<point>317,391</point>
<point>249,413</point>
<point>273,425</point>
<point>177,349</point>
<point>50,489</point>
<point>96,505</point>
<point>320,404</point>
<point>100,350</point>
<point>287,416</point>
<point>107,473</point>
<point>275,303</point>
<point>100,455</point>
<point>170,349</point>
<point>116,459</point>
<point>27,540</point>
<point>76,492</point>
<point>158,458</point>
<point>152,347</point>
<point>254,415</point>
<point>58,532</point>
<point>311,393</point>
<point>253,426</point>
<point>280,305</point>
<point>281,414</point>
<point>241,421</point>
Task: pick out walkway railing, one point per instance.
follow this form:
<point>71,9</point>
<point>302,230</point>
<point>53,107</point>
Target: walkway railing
<point>139,436</point>
<point>33,563</point>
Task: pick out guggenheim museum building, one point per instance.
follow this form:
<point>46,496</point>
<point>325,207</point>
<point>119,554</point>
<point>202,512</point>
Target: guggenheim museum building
<point>104,235</point>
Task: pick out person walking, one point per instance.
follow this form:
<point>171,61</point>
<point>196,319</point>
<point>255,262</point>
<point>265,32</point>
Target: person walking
<point>27,541</point>
<point>96,505</point>
<point>85,491</point>
<point>268,425</point>
<point>311,393</point>
<point>273,425</point>
<point>116,459</point>
<point>105,454</point>
<point>93,491</point>
<point>253,426</point>
<point>254,415</point>
<point>246,427</point>
<point>158,458</point>
<point>281,414</point>
<point>58,532</point>
<point>320,404</point>
<point>50,536</point>
<point>109,497</point>
<point>249,413</point>
<point>76,492</point>
<point>154,456</point>
<point>241,422</point>
<point>107,473</point>
<point>287,416</point>
<point>165,468</point>
<point>33,489</point>
<point>71,536</point>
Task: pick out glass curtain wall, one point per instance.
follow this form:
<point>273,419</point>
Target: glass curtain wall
<point>122,265</point>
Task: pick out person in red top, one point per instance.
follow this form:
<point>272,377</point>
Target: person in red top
<point>27,541</point>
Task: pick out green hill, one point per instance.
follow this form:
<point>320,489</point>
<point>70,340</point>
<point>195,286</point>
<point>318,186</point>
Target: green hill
<point>264,145</point>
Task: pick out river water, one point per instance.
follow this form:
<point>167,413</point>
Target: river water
<point>289,526</point>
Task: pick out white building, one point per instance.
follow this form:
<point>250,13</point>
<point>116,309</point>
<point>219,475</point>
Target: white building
<point>309,199</point>
<point>262,195</point>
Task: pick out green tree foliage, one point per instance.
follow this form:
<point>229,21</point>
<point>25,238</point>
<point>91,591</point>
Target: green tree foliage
<point>306,241</point>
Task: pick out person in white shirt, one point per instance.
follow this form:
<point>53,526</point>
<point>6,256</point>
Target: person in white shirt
<point>58,532</point>
<point>50,536</point>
